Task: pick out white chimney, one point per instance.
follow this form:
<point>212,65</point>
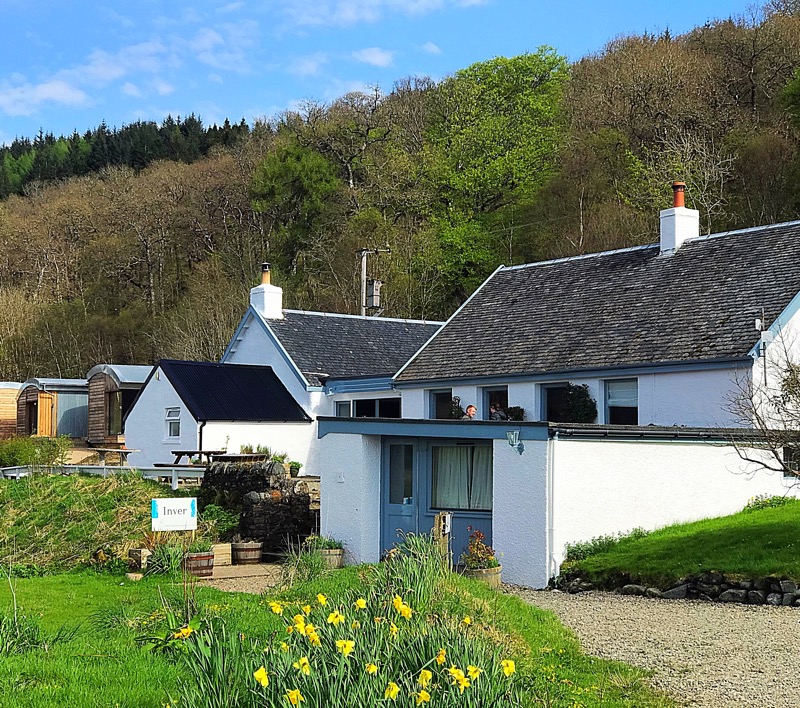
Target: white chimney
<point>266,299</point>
<point>678,223</point>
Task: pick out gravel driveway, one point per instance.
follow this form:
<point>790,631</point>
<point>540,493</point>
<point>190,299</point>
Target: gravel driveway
<point>701,653</point>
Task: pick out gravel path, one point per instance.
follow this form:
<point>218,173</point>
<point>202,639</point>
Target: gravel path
<point>701,653</point>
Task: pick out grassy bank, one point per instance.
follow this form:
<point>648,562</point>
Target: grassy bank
<point>753,543</point>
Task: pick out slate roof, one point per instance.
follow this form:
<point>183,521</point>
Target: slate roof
<point>620,308</point>
<point>326,345</point>
<point>232,392</point>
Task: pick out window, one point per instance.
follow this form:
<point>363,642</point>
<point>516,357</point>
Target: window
<point>173,417</point>
<point>114,410</point>
<point>342,409</point>
<point>555,404</point>
<point>377,408</point>
<point>791,461</point>
<point>493,396</point>
<point>622,402</point>
<point>462,477</point>
<point>441,404</point>
<point>401,474</point>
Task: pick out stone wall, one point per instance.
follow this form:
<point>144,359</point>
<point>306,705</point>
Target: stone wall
<point>712,587</point>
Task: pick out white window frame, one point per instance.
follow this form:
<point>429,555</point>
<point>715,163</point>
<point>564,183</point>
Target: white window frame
<point>342,404</point>
<point>609,401</point>
<point>172,416</point>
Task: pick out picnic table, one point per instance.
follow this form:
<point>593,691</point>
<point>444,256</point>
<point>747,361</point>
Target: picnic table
<point>123,452</point>
<point>209,455</point>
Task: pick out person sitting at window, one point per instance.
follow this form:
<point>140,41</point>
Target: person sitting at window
<point>470,414</point>
<point>496,412</point>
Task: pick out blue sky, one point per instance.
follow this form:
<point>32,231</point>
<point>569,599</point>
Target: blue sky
<point>70,65</point>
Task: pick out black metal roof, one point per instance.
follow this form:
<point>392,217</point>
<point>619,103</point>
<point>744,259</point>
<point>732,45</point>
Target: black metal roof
<point>620,308</point>
<point>326,345</point>
<point>232,391</point>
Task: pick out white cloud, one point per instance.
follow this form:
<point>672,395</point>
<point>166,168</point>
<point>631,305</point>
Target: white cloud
<point>226,47</point>
<point>163,88</point>
<point>130,89</point>
<point>26,99</point>
<point>205,40</point>
<point>230,7</point>
<point>307,65</point>
<point>374,56</point>
<point>431,48</point>
<point>215,78</point>
<point>350,12</point>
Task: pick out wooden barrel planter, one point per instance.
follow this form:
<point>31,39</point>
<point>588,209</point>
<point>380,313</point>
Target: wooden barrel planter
<point>333,557</point>
<point>200,565</point>
<point>491,576</point>
<point>246,553</point>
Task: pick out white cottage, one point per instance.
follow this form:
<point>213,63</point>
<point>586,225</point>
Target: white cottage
<point>663,336</point>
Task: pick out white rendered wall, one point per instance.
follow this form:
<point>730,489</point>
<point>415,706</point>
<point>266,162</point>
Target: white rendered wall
<point>605,486</point>
<point>295,439</point>
<point>519,515</point>
<point>414,403</point>
<point>146,427</point>
<point>350,502</point>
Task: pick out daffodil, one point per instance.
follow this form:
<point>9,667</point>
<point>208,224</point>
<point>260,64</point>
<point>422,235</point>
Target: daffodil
<point>361,604</point>
<point>440,656</point>
<point>294,697</point>
<point>290,629</point>
<point>371,668</point>
<point>393,629</point>
<point>355,624</point>
<point>335,618</point>
<point>509,667</point>
<point>473,672</point>
<point>262,677</point>
<point>392,689</point>
<point>183,633</point>
<point>425,677</point>
<point>306,609</point>
<point>459,679</point>
<point>303,665</point>
<point>276,607</point>
<point>300,623</point>
<point>313,637</point>
<point>284,647</point>
<point>467,621</point>
<point>378,620</point>
<point>321,599</point>
<point>423,697</point>
<point>345,646</point>
<point>397,601</point>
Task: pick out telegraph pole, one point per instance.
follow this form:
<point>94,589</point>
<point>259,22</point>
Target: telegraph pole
<point>362,254</point>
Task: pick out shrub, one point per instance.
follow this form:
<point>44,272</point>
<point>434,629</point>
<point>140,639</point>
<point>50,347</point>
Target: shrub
<point>319,543</point>
<point>477,554</point>
<point>515,413</point>
<point>599,544</point>
<point>763,501</point>
<point>221,522</point>
<point>17,452</point>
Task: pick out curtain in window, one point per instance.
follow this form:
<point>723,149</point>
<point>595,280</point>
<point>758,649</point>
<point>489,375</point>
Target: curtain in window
<point>480,492</point>
<point>451,467</point>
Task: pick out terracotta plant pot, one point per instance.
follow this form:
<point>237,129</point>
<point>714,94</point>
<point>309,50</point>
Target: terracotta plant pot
<point>246,553</point>
<point>491,576</point>
<point>333,557</point>
<point>200,565</point>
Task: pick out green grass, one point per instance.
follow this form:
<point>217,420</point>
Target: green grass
<point>61,521</point>
<point>750,544</point>
<point>103,666</point>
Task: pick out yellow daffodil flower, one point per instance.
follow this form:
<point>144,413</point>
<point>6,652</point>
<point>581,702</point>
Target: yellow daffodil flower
<point>406,611</point>
<point>303,665</point>
<point>361,604</point>
<point>313,637</point>
<point>391,691</point>
<point>284,647</point>
<point>440,657</point>
<point>378,620</point>
<point>290,629</point>
<point>345,646</point>
<point>425,677</point>
<point>335,618</point>
<point>321,599</point>
<point>462,682</point>
<point>455,672</point>
<point>300,623</point>
<point>183,633</point>
<point>355,624</point>
<point>467,621</point>
<point>306,609</point>
<point>423,697</point>
<point>473,672</point>
<point>393,629</point>
<point>371,668</point>
<point>509,667</point>
<point>262,677</point>
<point>294,697</point>
<point>276,607</point>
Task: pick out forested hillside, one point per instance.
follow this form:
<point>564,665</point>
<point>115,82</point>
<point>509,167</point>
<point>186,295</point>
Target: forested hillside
<point>150,252</point>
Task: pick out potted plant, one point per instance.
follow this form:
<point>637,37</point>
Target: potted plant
<point>331,550</point>
<point>294,468</point>
<point>245,552</point>
<point>479,560</point>
<point>199,558</point>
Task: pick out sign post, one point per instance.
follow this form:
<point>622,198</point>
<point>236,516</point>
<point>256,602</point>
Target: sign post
<point>174,514</point>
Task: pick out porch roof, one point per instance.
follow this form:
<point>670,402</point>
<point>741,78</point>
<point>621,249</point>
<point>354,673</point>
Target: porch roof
<point>426,428</point>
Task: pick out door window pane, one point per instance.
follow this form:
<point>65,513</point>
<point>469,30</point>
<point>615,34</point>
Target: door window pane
<point>462,477</point>
<point>401,473</point>
<point>114,403</point>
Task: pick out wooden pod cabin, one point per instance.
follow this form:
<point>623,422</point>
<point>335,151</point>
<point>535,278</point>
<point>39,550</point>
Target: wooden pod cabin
<point>9,390</point>
<point>112,391</point>
<point>52,407</point>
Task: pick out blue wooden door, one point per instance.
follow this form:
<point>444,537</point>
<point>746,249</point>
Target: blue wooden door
<point>400,491</point>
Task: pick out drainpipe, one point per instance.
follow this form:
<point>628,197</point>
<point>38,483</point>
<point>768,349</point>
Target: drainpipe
<point>552,567</point>
<point>200,435</point>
